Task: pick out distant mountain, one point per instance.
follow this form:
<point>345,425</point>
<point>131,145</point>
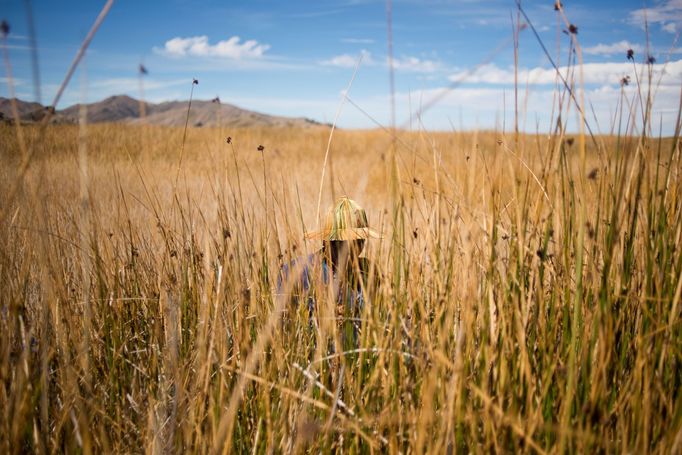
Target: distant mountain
<point>28,111</point>
<point>213,113</point>
<point>112,109</point>
<point>24,107</point>
<point>123,108</point>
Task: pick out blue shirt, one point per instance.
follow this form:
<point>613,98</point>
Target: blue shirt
<point>349,292</point>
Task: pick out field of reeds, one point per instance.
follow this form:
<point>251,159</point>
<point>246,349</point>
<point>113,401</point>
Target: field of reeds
<point>528,301</point>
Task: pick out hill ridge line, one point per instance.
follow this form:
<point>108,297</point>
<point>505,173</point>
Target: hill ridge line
<point>126,109</point>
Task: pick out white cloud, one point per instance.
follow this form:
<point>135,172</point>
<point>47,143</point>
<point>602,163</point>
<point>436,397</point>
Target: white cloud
<point>406,63</point>
<point>357,40</point>
<point>667,13</point>
<point>416,65</point>
<point>18,47</point>
<point>484,107</point>
<point>593,73</point>
<point>349,61</point>
<point>670,27</point>
<point>16,82</point>
<point>621,47</point>
<point>198,46</point>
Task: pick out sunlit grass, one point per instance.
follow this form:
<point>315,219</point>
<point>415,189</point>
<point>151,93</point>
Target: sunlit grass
<point>523,306</point>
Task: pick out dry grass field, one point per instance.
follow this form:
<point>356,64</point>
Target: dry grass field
<point>529,298</point>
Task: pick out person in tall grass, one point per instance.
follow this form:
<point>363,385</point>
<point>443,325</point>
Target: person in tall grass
<point>336,267</point>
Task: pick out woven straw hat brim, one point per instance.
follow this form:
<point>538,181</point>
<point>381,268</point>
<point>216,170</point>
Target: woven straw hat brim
<point>343,234</point>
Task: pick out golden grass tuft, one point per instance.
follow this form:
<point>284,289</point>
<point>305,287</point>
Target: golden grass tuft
<point>523,305</point>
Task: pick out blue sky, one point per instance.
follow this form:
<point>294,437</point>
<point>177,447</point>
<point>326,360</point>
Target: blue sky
<point>296,58</point>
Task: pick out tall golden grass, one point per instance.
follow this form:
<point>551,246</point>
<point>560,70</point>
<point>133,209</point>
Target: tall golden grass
<point>529,300</point>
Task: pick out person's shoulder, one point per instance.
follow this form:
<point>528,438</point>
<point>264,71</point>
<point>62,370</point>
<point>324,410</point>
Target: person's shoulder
<point>298,265</point>
<point>301,271</point>
<point>301,262</point>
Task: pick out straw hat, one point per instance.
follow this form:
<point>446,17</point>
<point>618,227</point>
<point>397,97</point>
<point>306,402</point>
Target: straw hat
<point>346,220</point>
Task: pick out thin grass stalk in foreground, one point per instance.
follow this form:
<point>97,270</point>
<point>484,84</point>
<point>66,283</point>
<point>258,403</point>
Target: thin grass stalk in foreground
<point>79,55</point>
<point>141,73</point>
<point>344,97</point>
<point>184,131</point>
<point>35,67</point>
<point>85,353</point>
<point>10,89</point>
<point>46,119</point>
<point>556,68</point>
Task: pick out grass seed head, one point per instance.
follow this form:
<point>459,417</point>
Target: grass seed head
<point>594,173</point>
